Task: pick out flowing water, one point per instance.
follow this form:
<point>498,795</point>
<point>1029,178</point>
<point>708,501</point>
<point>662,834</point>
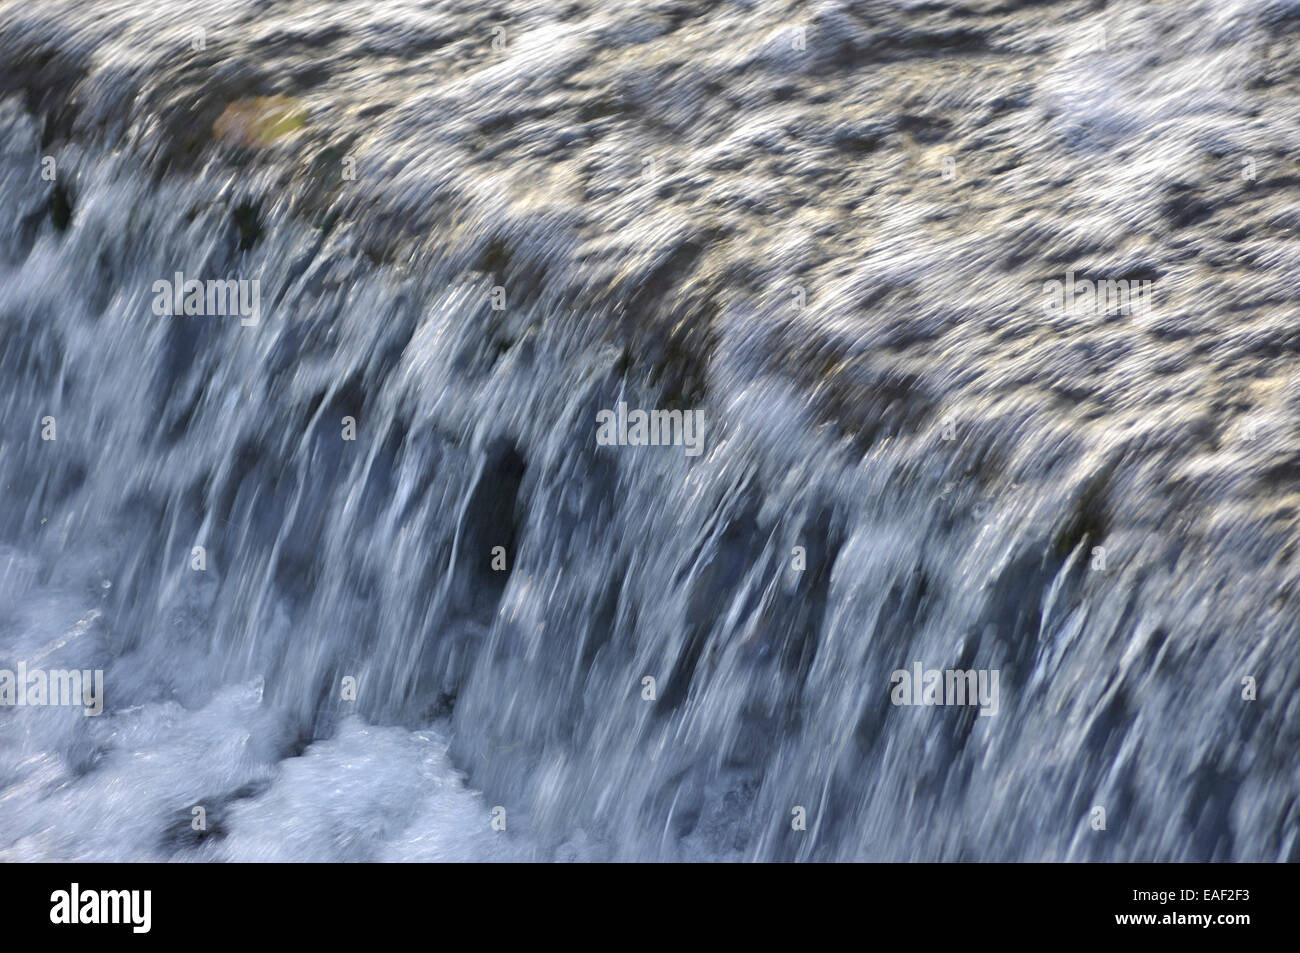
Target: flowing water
<point>826,226</point>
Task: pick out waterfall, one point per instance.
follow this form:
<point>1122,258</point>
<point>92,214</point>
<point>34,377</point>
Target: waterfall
<point>336,526</point>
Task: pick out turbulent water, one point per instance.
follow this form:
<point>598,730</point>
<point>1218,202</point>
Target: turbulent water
<point>828,227</point>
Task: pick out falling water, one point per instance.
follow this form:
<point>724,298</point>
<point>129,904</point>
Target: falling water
<point>826,228</point>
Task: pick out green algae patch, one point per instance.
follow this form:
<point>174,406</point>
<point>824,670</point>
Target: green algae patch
<point>260,120</point>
